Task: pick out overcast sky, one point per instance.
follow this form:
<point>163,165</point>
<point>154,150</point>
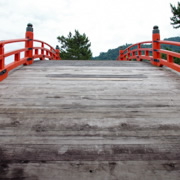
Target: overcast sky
<point>107,23</point>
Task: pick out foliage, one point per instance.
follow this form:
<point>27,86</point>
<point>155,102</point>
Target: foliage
<point>176,15</point>
<point>164,56</point>
<point>177,60</point>
<point>112,54</point>
<point>75,47</point>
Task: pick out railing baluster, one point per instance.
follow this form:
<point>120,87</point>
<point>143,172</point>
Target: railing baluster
<point>17,57</point>
<point>128,54</point>
<point>139,53</point>
<point>134,53</point>
<point>36,51</point>
<point>121,54</point>
<point>42,52</point>
<point>146,53</point>
<point>170,59</point>
<point>2,60</point>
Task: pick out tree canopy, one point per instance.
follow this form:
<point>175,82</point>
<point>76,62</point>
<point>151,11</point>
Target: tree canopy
<point>75,47</point>
<point>176,15</point>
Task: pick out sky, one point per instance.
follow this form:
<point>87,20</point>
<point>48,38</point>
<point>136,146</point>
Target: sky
<point>107,23</point>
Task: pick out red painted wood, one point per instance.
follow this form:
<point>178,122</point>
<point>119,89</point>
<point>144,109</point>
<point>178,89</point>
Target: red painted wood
<point>156,51</point>
<point>30,53</point>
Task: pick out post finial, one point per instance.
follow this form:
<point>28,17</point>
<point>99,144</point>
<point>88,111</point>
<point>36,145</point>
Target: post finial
<point>121,47</point>
<point>29,27</point>
<point>155,30</point>
<point>57,47</point>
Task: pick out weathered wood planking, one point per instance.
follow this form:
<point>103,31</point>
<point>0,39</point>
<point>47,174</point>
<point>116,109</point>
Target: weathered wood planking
<point>98,120</point>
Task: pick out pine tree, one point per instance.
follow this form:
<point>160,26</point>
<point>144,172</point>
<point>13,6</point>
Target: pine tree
<point>75,47</point>
<point>176,15</point>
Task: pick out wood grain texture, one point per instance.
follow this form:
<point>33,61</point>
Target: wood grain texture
<point>90,120</point>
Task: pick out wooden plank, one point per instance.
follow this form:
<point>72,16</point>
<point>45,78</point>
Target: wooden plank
<point>101,170</point>
<point>90,120</point>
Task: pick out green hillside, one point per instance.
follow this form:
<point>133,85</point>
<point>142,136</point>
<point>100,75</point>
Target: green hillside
<point>112,54</point>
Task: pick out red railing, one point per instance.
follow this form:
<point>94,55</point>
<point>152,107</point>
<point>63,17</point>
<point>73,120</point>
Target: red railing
<point>137,52</point>
<point>30,52</point>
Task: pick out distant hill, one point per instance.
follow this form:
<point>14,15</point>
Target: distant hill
<point>112,54</point>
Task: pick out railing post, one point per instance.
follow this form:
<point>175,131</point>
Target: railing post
<point>2,63</point>
<point>57,53</point>
<point>146,53</point>
<point>121,54</point>
<point>133,53</point>
<point>42,52</point>
<point>29,44</point>
<point>156,46</point>
<point>128,54</point>
<point>139,53</point>
<point>36,51</point>
<point>170,59</point>
<point>17,57</point>
<point>3,71</point>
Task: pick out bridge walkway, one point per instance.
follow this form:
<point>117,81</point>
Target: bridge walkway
<point>103,120</point>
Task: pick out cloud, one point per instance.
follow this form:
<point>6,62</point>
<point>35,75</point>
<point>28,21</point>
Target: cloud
<point>108,24</point>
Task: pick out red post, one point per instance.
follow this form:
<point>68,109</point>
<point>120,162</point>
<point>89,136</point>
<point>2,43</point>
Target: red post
<point>57,53</point>
<point>146,53</point>
<point>128,54</point>
<point>121,54</point>
<point>133,53</point>
<point>42,52</point>
<point>36,51</point>
<point>156,46</point>
<point>17,57</point>
<point>170,59</point>
<point>139,53</point>
<point>3,71</point>
<point>2,57</point>
<point>29,44</point>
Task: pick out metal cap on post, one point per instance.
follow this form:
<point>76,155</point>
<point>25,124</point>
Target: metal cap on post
<point>29,27</point>
<point>57,47</point>
<point>121,47</point>
<point>156,30</point>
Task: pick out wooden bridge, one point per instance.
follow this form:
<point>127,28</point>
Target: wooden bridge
<point>103,120</point>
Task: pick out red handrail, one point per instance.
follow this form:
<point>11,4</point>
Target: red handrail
<point>30,52</point>
<point>11,41</point>
<point>170,43</point>
<point>36,40</point>
<point>152,54</point>
<point>129,53</point>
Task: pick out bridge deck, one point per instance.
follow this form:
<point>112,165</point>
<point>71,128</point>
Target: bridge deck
<point>90,120</point>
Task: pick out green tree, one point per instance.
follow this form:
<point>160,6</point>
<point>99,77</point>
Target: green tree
<point>75,47</point>
<point>176,15</point>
